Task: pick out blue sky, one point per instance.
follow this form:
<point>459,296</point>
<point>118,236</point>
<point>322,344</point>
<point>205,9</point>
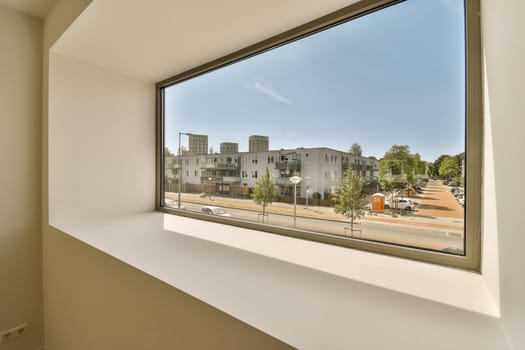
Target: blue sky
<point>393,77</point>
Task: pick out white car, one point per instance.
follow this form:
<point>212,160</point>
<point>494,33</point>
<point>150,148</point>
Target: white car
<point>401,203</point>
<point>461,200</point>
<point>215,211</point>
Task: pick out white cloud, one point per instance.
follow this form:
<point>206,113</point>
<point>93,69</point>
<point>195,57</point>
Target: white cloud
<point>267,91</point>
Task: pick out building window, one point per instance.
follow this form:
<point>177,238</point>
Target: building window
<point>392,88</point>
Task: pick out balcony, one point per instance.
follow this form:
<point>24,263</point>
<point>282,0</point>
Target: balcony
<point>227,166</point>
<point>220,179</point>
<point>221,166</point>
<point>290,165</point>
<point>283,181</point>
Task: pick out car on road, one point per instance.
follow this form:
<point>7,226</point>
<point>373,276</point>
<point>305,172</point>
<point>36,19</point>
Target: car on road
<point>400,203</point>
<point>211,210</point>
<point>461,200</point>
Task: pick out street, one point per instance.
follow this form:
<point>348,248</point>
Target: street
<point>436,225</point>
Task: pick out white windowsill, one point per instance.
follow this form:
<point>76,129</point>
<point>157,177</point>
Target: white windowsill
<point>151,243</point>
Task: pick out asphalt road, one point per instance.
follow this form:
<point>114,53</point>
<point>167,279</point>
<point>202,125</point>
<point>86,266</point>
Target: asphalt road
<point>422,237</point>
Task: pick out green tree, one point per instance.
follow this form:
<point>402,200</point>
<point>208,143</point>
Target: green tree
<point>349,198</point>
<point>434,168</point>
<point>397,165</point>
<point>356,150</point>
<point>264,191</point>
<point>449,168</point>
<point>167,152</point>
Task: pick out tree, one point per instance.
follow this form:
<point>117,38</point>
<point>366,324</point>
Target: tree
<point>349,198</point>
<point>397,165</point>
<point>434,168</point>
<point>356,150</point>
<point>392,187</point>
<point>449,168</point>
<point>182,150</point>
<point>400,165</point>
<point>264,191</point>
<point>167,152</point>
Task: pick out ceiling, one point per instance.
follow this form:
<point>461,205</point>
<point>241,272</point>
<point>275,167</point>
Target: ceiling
<point>35,8</point>
<point>155,39</point>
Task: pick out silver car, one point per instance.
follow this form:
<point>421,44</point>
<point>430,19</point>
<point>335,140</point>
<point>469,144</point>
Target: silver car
<point>215,211</point>
<point>401,203</point>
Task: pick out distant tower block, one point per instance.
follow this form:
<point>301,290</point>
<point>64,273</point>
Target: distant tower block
<point>229,147</point>
<point>198,144</point>
<point>258,143</point>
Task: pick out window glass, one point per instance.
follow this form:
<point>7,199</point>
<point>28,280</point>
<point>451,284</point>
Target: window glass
<point>385,93</point>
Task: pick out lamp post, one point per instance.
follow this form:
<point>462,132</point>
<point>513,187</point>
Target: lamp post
<point>307,194</point>
<point>180,165</point>
<point>295,180</point>
<point>307,191</point>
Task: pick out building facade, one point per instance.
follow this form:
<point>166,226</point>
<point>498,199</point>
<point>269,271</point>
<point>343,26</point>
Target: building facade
<point>236,173</point>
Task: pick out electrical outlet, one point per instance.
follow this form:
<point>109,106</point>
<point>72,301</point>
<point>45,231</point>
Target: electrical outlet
<point>13,333</point>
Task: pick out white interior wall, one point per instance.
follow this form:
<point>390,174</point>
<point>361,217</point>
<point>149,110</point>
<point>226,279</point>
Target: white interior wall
<point>503,29</point>
<point>20,244</point>
<point>101,142</point>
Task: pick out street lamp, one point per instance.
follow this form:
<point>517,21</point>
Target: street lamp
<point>295,180</point>
<point>180,165</point>
<point>307,191</point>
<point>307,194</point>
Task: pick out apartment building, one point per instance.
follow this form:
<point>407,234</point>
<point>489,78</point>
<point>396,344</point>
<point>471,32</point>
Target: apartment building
<point>237,172</point>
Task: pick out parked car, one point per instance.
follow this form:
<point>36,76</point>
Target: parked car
<point>215,211</point>
<point>459,192</point>
<point>401,203</point>
<point>417,188</point>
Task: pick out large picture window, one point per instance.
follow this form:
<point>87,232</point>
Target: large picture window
<point>361,128</point>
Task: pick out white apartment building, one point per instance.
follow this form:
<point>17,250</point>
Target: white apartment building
<point>235,173</point>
